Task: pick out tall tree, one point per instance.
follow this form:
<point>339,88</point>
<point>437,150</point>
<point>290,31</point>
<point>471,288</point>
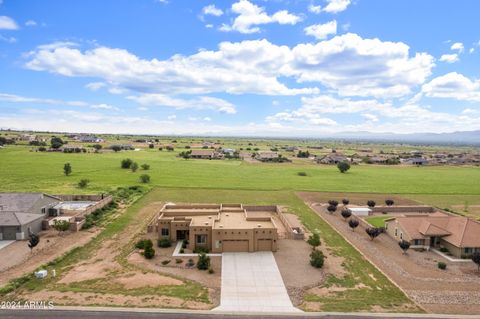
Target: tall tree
<point>67,169</point>
<point>404,245</point>
<point>353,223</point>
<point>343,167</point>
<point>373,232</point>
<point>314,240</point>
<point>346,213</point>
<point>476,258</point>
<point>33,241</point>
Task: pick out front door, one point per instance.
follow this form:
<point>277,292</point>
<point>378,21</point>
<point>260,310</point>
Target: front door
<point>182,234</point>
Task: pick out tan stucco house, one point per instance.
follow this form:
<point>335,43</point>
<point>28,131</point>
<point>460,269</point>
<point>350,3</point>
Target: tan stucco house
<point>221,227</point>
<point>460,235</point>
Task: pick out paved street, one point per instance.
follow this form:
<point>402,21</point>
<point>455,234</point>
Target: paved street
<point>252,282</point>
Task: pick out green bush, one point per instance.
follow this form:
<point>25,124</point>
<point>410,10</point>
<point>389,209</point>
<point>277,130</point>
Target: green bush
<point>126,163</point>
<point>190,263</point>
<point>145,178</point>
<point>83,183</point>
<point>143,243</point>
<point>317,259</point>
<point>149,252</point>
<point>302,174</point>
<point>444,249</point>
<point>164,243</point>
<point>203,262</point>
<point>182,251</point>
<point>442,265</point>
<point>200,250</point>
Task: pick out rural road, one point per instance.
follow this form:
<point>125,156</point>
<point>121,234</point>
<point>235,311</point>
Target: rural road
<point>166,314</point>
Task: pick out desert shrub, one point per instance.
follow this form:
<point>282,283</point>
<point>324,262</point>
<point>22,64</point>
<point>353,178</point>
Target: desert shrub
<point>164,243</point>
<point>200,250</point>
<point>178,261</point>
<point>442,265</point>
<point>182,251</point>
<point>444,249</point>
<point>345,201</point>
<point>145,167</point>
<point>317,259</point>
<point>166,262</point>
<point>83,183</point>
<point>210,271</point>
<point>134,167</point>
<point>333,202</point>
<point>203,262</point>
<point>343,167</point>
<point>371,203</point>
<point>140,244</point>
<point>190,263</point>
<point>149,252</point>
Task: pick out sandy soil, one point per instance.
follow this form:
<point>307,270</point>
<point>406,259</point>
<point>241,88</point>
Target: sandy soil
<point>417,272</point>
<point>17,260</point>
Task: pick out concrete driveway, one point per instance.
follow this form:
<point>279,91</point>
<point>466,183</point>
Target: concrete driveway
<point>5,243</point>
<point>251,282</point>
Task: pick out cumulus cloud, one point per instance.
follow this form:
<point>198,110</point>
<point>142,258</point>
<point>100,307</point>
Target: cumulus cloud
<point>212,10</point>
<point>314,9</point>
<point>455,86</point>
<point>7,23</point>
<point>31,23</point>
<point>200,103</point>
<point>374,68</point>
<point>322,31</point>
<point>457,46</point>
<point>336,6</point>
<point>95,86</point>
<point>250,16</point>
<point>13,98</point>
<point>104,106</point>
<point>449,58</point>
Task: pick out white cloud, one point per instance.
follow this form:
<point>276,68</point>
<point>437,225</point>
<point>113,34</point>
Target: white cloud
<point>449,58</point>
<point>209,26</point>
<point>95,86</point>
<point>7,23</point>
<point>31,23</point>
<point>314,9</point>
<point>172,117</point>
<point>370,117</point>
<point>207,119</point>
<point>336,6</point>
<point>471,50</point>
<point>104,106</point>
<point>8,39</point>
<point>322,31</point>
<point>374,68</point>
<point>250,16</point>
<point>212,10</point>
<point>200,103</point>
<point>457,46</point>
<point>455,86</point>
<point>12,98</point>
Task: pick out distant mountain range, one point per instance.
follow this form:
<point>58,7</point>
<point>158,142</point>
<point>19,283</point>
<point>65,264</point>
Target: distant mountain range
<point>458,138</point>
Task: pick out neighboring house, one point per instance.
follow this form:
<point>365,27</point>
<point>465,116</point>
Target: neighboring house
<point>89,139</point>
<point>460,235</point>
<point>220,227</point>
<point>23,212</point>
<point>27,137</point>
<point>416,161</point>
<point>268,156</point>
<point>206,154</point>
<point>333,158</point>
<point>229,151</point>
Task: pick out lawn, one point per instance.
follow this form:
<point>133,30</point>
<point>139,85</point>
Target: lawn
<point>377,221</point>
<point>23,170</point>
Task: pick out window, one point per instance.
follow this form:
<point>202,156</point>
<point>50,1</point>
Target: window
<point>165,232</point>
<point>468,250</point>
<point>401,235</point>
<point>416,242</point>
<point>201,239</point>
<point>396,232</point>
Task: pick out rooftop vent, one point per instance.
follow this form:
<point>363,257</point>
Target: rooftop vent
<point>206,223</point>
<point>259,225</point>
<point>221,226</point>
<point>226,215</point>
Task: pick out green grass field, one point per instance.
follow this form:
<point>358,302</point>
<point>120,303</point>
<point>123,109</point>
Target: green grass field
<point>22,170</point>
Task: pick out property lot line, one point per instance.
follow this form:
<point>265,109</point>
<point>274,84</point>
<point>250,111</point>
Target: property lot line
<point>310,205</point>
<point>134,313</point>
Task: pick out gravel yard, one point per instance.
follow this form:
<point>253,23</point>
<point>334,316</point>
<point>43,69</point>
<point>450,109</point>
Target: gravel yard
<point>417,272</point>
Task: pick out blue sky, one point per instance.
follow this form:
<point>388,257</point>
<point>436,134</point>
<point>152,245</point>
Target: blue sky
<point>243,67</point>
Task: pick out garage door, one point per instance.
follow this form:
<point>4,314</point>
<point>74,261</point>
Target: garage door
<point>9,233</point>
<point>235,245</point>
<point>264,245</point>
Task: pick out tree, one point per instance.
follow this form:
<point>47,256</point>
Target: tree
<point>345,201</point>
<point>203,262</point>
<point>373,232</point>
<point>61,225</point>
<point>389,202</point>
<point>151,145</point>
<point>404,245</point>
<point>346,213</point>
<point>353,223</point>
<point>116,148</point>
<point>476,258</point>
<point>33,241</point>
<point>317,259</point>
<point>343,167</point>
<point>333,202</point>
<point>149,252</point>
<point>56,142</point>
<point>331,209</point>
<point>134,167</point>
<point>126,163</point>
<point>145,178</point>
<point>314,240</point>
<point>83,183</point>
<point>97,147</point>
<point>67,169</point>
<point>145,167</point>
<point>371,203</point>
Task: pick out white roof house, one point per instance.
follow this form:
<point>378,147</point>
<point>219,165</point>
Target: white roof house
<point>361,211</point>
